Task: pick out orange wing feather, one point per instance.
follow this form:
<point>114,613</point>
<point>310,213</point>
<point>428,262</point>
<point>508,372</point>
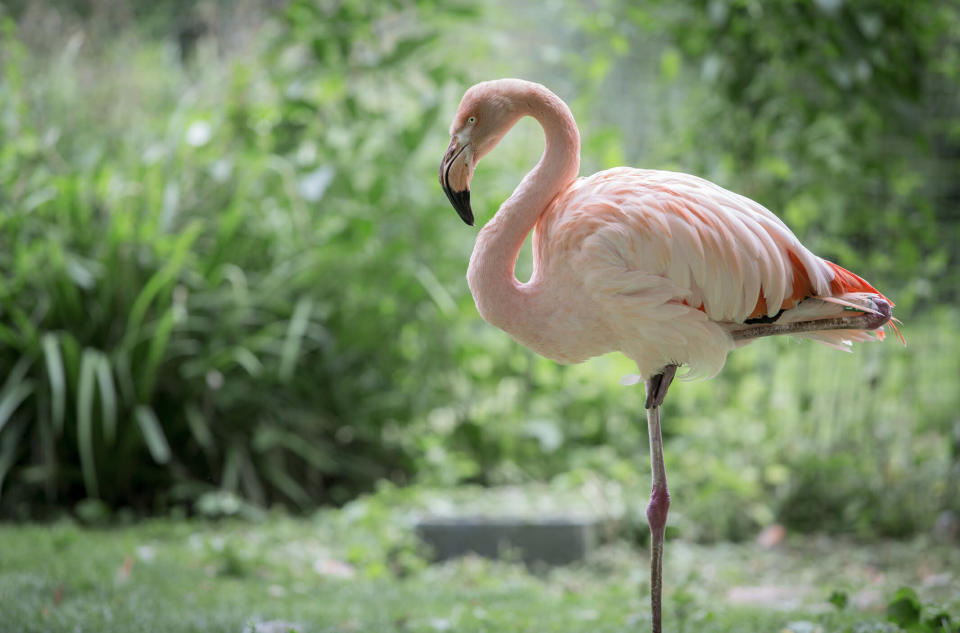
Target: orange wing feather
<point>845,281</point>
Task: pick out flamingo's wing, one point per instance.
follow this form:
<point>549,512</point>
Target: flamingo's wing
<point>720,252</point>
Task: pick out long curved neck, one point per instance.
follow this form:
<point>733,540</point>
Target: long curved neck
<point>499,296</point>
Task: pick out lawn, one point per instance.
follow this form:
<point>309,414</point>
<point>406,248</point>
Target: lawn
<point>359,569</point>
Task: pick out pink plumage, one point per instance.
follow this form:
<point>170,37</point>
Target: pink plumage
<point>659,265</point>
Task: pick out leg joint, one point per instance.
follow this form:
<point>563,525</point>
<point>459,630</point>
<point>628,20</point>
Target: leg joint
<point>658,508</point>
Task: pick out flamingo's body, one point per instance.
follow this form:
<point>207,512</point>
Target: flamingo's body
<point>661,266</point>
<point>668,268</point>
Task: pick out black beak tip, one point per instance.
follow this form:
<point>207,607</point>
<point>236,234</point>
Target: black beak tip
<point>462,205</point>
<point>461,202</point>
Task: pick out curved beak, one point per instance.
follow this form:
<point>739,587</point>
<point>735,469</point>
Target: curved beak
<point>455,178</point>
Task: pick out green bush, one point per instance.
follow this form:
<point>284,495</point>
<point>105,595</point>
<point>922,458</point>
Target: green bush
<point>839,116</point>
<point>237,282</point>
<point>232,297</point>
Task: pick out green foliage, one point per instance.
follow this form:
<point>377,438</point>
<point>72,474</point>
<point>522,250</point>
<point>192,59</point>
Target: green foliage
<point>841,117</point>
<point>175,314</point>
<point>904,608</point>
<point>907,612</point>
<point>839,599</point>
<point>236,282</point>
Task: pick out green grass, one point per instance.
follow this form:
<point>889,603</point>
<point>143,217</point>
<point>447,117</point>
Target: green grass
<point>357,569</point>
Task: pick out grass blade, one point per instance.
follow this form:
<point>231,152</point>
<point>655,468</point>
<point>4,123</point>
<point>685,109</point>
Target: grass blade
<point>435,289</point>
<point>125,376</point>
<point>199,427</point>
<point>252,487</point>
<point>295,332</point>
<point>11,399</point>
<point>16,388</point>
<point>158,346</point>
<point>9,337</point>
<point>8,450</point>
<point>17,374</point>
<point>269,438</point>
<point>248,360</point>
<point>277,475</point>
<point>230,475</point>
<point>48,457</point>
<point>24,323</point>
<point>58,383</point>
<point>108,399</point>
<point>70,351</point>
<point>160,280</point>
<point>152,434</point>
<point>88,367</point>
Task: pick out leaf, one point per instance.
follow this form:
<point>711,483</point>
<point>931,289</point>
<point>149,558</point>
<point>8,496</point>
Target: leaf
<point>157,282</point>
<point>670,64</point>
<point>940,622</point>
<point>88,367</point>
<point>248,360</point>
<point>839,599</point>
<point>321,47</point>
<point>125,376</point>
<point>155,354</point>
<point>251,483</point>
<point>55,374</point>
<point>12,399</point>
<point>435,289</point>
<point>83,272</point>
<point>17,374</point>
<point>152,434</point>
<point>295,332</point>
<point>276,475</point>
<point>230,474</point>
<point>15,389</point>
<point>271,437</point>
<point>71,351</point>
<point>108,399</point>
<point>8,449</point>
<point>904,608</point>
<point>199,427</point>
<point>407,47</point>
<point>8,336</point>
<point>24,323</point>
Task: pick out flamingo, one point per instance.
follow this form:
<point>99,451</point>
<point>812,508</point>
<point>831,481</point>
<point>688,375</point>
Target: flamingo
<point>670,269</point>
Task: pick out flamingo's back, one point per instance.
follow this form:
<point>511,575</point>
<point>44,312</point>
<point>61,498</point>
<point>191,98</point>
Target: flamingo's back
<point>673,262</point>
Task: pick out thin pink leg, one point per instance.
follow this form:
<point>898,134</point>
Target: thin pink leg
<point>659,503</point>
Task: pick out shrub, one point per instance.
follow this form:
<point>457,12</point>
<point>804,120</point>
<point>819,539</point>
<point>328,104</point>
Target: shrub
<point>231,297</point>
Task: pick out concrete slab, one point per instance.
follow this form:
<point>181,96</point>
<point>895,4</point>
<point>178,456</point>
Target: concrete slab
<point>553,541</point>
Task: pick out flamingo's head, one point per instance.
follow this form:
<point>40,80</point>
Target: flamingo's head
<point>487,111</point>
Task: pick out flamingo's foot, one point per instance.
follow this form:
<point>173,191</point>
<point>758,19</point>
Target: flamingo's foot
<point>881,317</point>
<point>657,386</point>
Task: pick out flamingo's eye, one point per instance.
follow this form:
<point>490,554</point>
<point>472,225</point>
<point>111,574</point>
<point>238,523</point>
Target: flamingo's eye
<point>472,119</point>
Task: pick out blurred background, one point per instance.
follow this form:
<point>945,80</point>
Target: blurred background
<point>230,279</point>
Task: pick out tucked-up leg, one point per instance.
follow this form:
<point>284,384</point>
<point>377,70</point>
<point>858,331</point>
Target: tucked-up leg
<point>865,321</point>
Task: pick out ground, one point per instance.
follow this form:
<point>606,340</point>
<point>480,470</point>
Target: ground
<point>358,569</point>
